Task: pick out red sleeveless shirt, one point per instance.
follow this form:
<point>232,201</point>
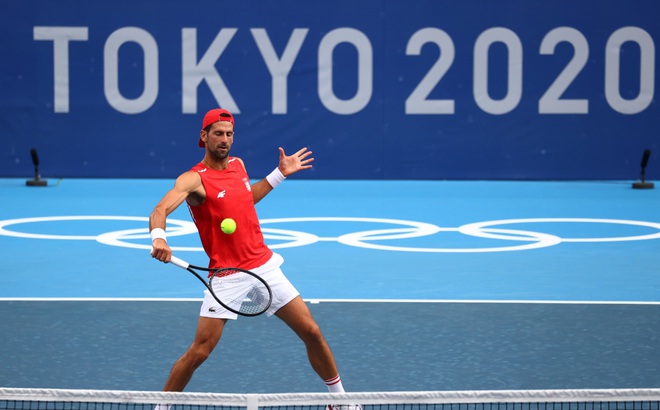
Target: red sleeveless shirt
<point>229,195</point>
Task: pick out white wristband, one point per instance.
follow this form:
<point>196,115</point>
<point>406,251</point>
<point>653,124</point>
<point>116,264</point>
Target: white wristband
<point>275,177</point>
<point>158,233</point>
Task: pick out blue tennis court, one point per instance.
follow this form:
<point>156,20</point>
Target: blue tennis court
<point>418,285</point>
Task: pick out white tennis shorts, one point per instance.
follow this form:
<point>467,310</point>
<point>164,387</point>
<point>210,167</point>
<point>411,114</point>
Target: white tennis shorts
<point>283,291</point>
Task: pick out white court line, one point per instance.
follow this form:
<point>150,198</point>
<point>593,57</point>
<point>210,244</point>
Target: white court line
<point>317,301</point>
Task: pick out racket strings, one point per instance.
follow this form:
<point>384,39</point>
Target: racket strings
<point>241,292</point>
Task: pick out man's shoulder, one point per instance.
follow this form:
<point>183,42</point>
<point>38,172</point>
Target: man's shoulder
<point>200,166</point>
<point>190,176</point>
<point>236,162</point>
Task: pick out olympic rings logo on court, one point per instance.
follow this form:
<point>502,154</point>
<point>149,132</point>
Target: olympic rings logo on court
<point>369,239</point>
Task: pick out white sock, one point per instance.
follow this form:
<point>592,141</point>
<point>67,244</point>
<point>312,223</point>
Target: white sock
<point>334,385</point>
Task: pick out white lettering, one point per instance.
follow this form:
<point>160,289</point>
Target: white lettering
<point>194,72</point>
<point>627,93</point>
<point>365,71</point>
<point>514,66</point>
<point>279,68</point>
<point>60,36</point>
<point>551,102</point>
<point>418,101</point>
<point>111,70</point>
<point>646,70</point>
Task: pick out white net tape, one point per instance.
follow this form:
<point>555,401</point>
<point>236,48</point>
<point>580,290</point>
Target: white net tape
<point>392,399</point>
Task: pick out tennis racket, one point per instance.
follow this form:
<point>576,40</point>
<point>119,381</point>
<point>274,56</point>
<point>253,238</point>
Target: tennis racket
<point>237,290</point>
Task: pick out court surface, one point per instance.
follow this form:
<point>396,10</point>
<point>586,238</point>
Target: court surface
<point>417,285</point>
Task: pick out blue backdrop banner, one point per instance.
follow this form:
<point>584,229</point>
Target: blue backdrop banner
<point>421,89</point>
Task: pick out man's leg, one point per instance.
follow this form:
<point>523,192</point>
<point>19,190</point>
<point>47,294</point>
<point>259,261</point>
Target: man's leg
<point>297,316</point>
<point>207,336</point>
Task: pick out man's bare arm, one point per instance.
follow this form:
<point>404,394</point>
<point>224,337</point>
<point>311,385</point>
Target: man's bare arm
<point>288,165</point>
<point>185,185</point>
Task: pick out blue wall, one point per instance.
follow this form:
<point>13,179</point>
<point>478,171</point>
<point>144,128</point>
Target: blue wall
<point>472,89</point>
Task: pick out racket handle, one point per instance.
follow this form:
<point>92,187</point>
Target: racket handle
<point>179,262</point>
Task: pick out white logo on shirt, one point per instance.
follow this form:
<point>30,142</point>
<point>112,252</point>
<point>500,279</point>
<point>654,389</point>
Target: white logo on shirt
<point>222,194</point>
<point>202,170</point>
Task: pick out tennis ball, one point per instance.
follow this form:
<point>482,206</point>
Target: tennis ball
<point>228,225</point>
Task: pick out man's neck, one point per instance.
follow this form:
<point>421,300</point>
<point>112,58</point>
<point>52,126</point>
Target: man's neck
<point>216,164</point>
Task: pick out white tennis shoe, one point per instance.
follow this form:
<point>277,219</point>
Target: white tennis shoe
<point>344,407</point>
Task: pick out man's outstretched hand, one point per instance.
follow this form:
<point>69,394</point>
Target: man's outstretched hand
<point>296,162</point>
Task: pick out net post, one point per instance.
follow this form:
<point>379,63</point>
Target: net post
<point>252,402</point>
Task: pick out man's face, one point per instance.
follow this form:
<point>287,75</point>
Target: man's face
<point>219,139</point>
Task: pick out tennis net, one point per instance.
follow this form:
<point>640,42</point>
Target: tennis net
<point>59,399</point>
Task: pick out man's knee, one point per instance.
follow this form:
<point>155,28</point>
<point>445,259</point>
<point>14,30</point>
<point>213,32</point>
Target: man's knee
<point>312,334</point>
<point>197,354</point>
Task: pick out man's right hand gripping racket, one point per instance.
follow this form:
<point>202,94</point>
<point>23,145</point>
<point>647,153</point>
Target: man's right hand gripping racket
<point>237,290</point>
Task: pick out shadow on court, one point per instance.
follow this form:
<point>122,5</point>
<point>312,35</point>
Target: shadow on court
<point>379,346</point>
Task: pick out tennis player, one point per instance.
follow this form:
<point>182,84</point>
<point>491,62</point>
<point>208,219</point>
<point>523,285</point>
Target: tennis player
<point>216,188</point>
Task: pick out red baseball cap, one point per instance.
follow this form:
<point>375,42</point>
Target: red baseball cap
<point>213,116</point>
